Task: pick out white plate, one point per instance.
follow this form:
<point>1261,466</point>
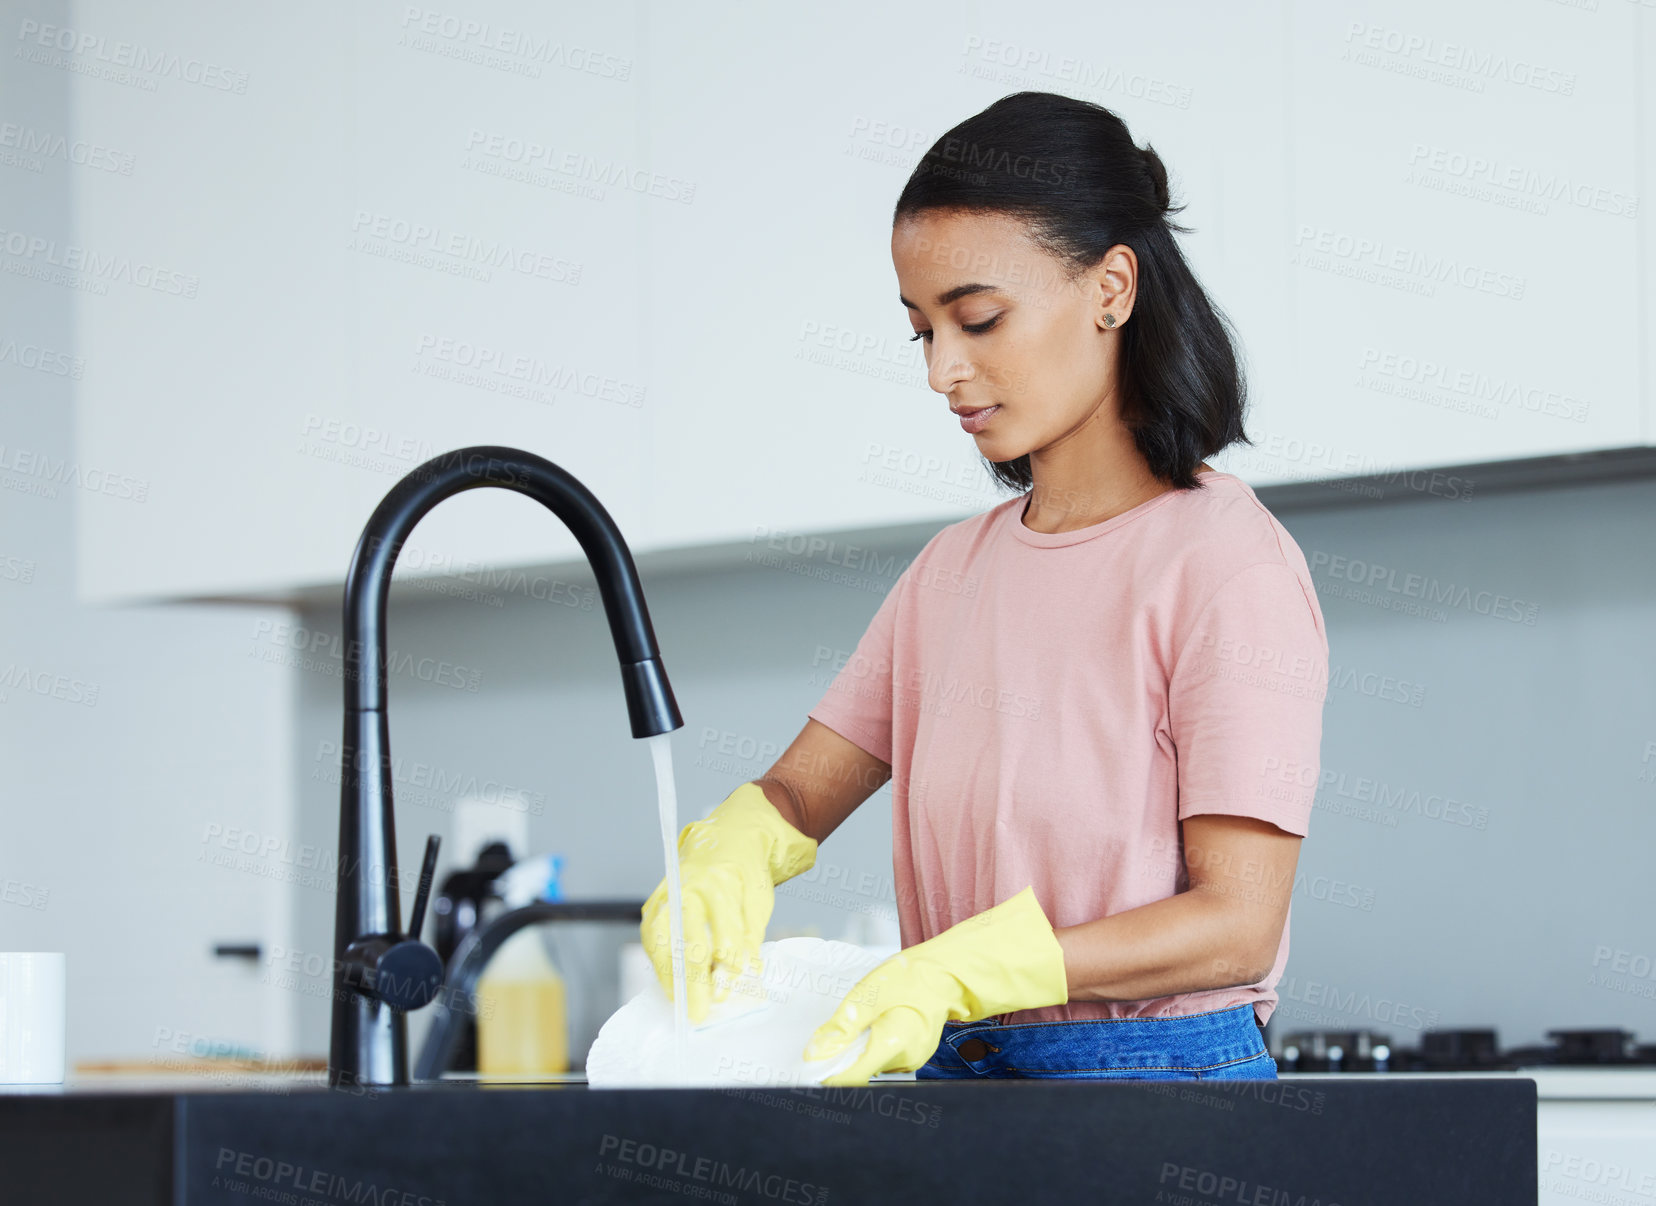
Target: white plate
<point>754,1037</point>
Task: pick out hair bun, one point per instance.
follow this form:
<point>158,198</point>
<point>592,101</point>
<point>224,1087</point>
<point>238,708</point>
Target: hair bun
<point>1158,176</point>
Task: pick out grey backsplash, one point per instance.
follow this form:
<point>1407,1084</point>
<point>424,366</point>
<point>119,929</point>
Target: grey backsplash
<point>1480,854</point>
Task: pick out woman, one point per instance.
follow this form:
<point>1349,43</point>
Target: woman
<point>1100,701</point>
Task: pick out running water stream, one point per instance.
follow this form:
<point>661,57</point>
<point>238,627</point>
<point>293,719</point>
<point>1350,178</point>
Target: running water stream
<point>667,802</point>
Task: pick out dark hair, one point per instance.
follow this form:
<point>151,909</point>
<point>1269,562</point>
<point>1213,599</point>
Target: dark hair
<point>1071,172</point>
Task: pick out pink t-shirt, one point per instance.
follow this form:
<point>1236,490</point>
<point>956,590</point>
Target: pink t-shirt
<point>1052,705</point>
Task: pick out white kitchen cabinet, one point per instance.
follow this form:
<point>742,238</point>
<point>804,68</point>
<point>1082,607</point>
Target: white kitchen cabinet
<point>791,398</point>
<point>1596,1151</point>
<point>1595,1134</point>
<point>380,243</point>
<point>1463,235</point>
<point>398,232</point>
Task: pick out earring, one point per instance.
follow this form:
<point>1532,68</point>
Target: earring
<point>1109,320</point>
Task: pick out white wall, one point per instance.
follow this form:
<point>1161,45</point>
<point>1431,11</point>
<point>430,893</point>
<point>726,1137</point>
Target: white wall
<point>1508,768</point>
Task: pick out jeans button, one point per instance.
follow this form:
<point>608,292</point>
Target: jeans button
<point>972,1050</point>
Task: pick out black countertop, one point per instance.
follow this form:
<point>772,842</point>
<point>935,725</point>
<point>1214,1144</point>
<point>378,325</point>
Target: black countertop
<point>1299,1142</point>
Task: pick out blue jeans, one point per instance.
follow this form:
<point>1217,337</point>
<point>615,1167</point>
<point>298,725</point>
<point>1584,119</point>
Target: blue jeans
<point>1225,1044</point>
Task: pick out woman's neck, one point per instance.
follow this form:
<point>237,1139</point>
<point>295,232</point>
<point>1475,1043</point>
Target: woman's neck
<point>1093,498</point>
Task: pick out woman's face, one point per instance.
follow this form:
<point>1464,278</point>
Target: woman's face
<point>1002,328</point>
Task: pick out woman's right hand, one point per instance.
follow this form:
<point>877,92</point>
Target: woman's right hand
<point>729,865</point>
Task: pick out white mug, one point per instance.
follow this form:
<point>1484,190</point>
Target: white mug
<point>32,1017</point>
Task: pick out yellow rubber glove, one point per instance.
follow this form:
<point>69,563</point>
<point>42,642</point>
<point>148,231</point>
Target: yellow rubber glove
<point>1004,958</point>
<point>729,864</point>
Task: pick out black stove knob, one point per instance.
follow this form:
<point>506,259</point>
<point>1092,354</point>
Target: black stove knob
<point>1599,1046</point>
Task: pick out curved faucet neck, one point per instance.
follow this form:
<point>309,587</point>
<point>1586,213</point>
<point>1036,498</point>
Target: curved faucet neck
<point>368,1041</point>
<point>368,584</point>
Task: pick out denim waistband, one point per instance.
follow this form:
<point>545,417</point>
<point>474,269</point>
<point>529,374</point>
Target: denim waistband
<point>1220,1043</point>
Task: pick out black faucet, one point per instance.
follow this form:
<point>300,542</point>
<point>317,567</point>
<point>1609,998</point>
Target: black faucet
<point>379,972</point>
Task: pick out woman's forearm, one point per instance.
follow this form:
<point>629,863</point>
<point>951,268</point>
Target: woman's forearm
<point>786,800</point>
<point>1186,943</point>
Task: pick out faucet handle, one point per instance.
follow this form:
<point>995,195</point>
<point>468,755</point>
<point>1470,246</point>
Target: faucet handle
<point>403,972</point>
<point>400,972</point>
<point>422,893</point>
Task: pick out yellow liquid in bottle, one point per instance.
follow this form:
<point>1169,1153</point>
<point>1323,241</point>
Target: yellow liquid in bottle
<point>522,1028</point>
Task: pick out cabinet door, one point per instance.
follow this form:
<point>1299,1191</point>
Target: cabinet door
<point>395,234</point>
<point>1463,236</point>
<point>148,818</point>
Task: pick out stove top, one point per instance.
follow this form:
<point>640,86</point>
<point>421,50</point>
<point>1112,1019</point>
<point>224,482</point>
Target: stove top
<point>1461,1050</point>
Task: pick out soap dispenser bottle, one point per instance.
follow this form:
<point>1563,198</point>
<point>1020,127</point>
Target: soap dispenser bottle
<point>522,1019</point>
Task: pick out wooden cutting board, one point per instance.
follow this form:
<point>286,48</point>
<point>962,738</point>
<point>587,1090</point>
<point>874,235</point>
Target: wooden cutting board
<point>205,1067</point>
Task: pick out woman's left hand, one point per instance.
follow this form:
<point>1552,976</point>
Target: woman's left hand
<point>1002,959</point>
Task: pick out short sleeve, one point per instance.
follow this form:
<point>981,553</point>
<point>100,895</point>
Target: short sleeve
<point>1245,700</point>
<point>858,702</point>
